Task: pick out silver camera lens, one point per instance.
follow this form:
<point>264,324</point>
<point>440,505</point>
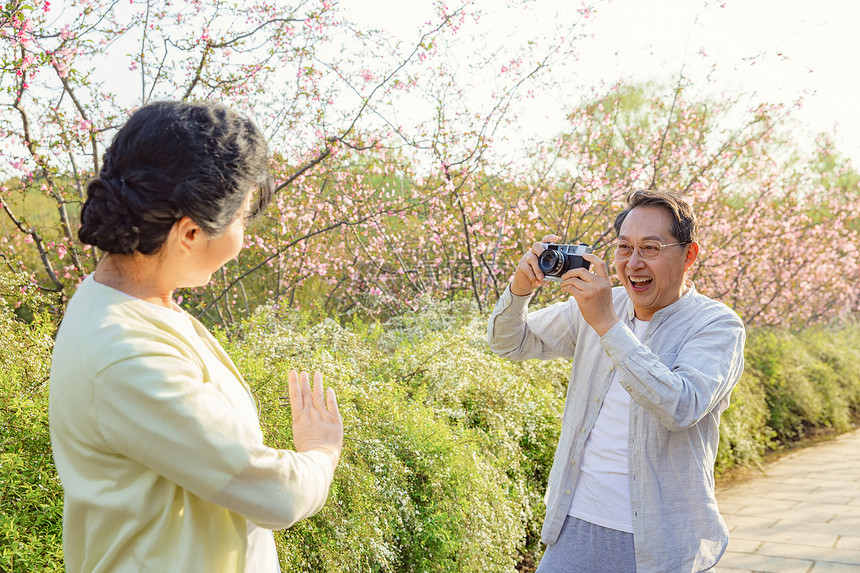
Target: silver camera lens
<point>550,262</point>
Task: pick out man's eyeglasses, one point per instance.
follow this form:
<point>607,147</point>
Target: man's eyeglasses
<point>647,249</point>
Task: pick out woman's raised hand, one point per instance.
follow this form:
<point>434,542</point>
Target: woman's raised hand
<point>317,424</point>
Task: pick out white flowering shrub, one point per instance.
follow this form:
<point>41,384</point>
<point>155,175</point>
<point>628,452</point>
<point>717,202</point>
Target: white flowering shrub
<point>447,447</point>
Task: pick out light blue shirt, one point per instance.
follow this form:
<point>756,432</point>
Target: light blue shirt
<point>679,378</point>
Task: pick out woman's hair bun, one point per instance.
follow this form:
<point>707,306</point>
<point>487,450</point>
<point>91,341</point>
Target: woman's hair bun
<point>171,160</point>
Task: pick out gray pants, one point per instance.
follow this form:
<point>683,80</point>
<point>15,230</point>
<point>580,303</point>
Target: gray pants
<point>583,547</point>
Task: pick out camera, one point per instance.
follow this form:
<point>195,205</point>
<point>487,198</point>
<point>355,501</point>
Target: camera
<point>557,259</point>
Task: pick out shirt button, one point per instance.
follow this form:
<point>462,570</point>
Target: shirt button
<point>568,492</point>
<point>583,430</point>
<point>611,367</point>
<point>573,462</point>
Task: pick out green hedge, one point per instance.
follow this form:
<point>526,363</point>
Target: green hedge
<point>792,383</point>
<point>447,446</point>
<point>31,508</point>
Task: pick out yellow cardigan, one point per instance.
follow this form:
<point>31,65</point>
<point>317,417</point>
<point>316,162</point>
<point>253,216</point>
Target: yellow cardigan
<point>162,461</point>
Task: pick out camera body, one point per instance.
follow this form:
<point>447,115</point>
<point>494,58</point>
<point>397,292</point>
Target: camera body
<point>557,259</point>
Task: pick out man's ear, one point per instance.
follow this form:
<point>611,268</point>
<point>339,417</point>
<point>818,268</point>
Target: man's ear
<point>691,256</point>
<point>187,234</point>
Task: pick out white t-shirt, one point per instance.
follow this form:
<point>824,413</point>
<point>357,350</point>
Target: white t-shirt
<point>261,555</point>
<point>602,494</point>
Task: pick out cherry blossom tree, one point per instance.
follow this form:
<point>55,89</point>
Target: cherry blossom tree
<point>328,94</point>
<point>779,227</point>
<point>390,190</point>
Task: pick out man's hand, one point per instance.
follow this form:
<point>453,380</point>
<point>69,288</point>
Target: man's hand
<point>593,294</point>
<point>317,424</point>
<point>528,276</point>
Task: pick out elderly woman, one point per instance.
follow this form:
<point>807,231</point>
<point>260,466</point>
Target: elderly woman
<point>156,437</point>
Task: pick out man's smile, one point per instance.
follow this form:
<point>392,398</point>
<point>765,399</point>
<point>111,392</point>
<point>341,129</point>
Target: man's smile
<point>640,284</point>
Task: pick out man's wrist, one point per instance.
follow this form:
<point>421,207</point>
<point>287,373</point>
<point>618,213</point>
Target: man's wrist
<point>516,291</point>
<point>605,326</point>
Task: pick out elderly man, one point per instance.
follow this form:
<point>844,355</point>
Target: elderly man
<point>654,363</point>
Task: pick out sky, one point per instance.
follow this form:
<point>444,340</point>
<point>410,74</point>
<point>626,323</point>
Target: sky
<point>795,52</point>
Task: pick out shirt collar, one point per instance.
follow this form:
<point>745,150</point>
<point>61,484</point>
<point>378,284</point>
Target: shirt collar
<point>679,304</point>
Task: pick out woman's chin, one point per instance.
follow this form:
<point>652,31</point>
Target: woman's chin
<point>196,282</point>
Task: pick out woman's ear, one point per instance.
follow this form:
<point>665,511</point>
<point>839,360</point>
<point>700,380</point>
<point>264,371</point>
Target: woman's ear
<point>186,235</point>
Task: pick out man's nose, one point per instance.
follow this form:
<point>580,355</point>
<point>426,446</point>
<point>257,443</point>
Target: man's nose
<point>636,259</point>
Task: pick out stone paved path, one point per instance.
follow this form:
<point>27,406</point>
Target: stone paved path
<point>802,515</point>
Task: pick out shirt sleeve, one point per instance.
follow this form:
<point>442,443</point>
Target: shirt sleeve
<point>155,408</point>
<point>513,332</point>
<point>709,363</point>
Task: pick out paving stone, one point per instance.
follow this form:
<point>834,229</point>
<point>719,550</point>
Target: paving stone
<point>772,490</point>
<point>849,542</point>
<point>729,508</point>
<point>827,567</point>
<point>790,535</point>
<point>765,563</point>
<point>790,514</point>
<point>743,523</point>
<point>802,527</point>
<point>740,545</point>
<point>847,526</point>
<point>787,495</point>
<point>829,490</point>
<point>744,499</point>
<point>797,551</point>
<point>836,504</point>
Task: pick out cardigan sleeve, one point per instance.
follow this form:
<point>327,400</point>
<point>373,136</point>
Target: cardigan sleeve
<point>154,407</point>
